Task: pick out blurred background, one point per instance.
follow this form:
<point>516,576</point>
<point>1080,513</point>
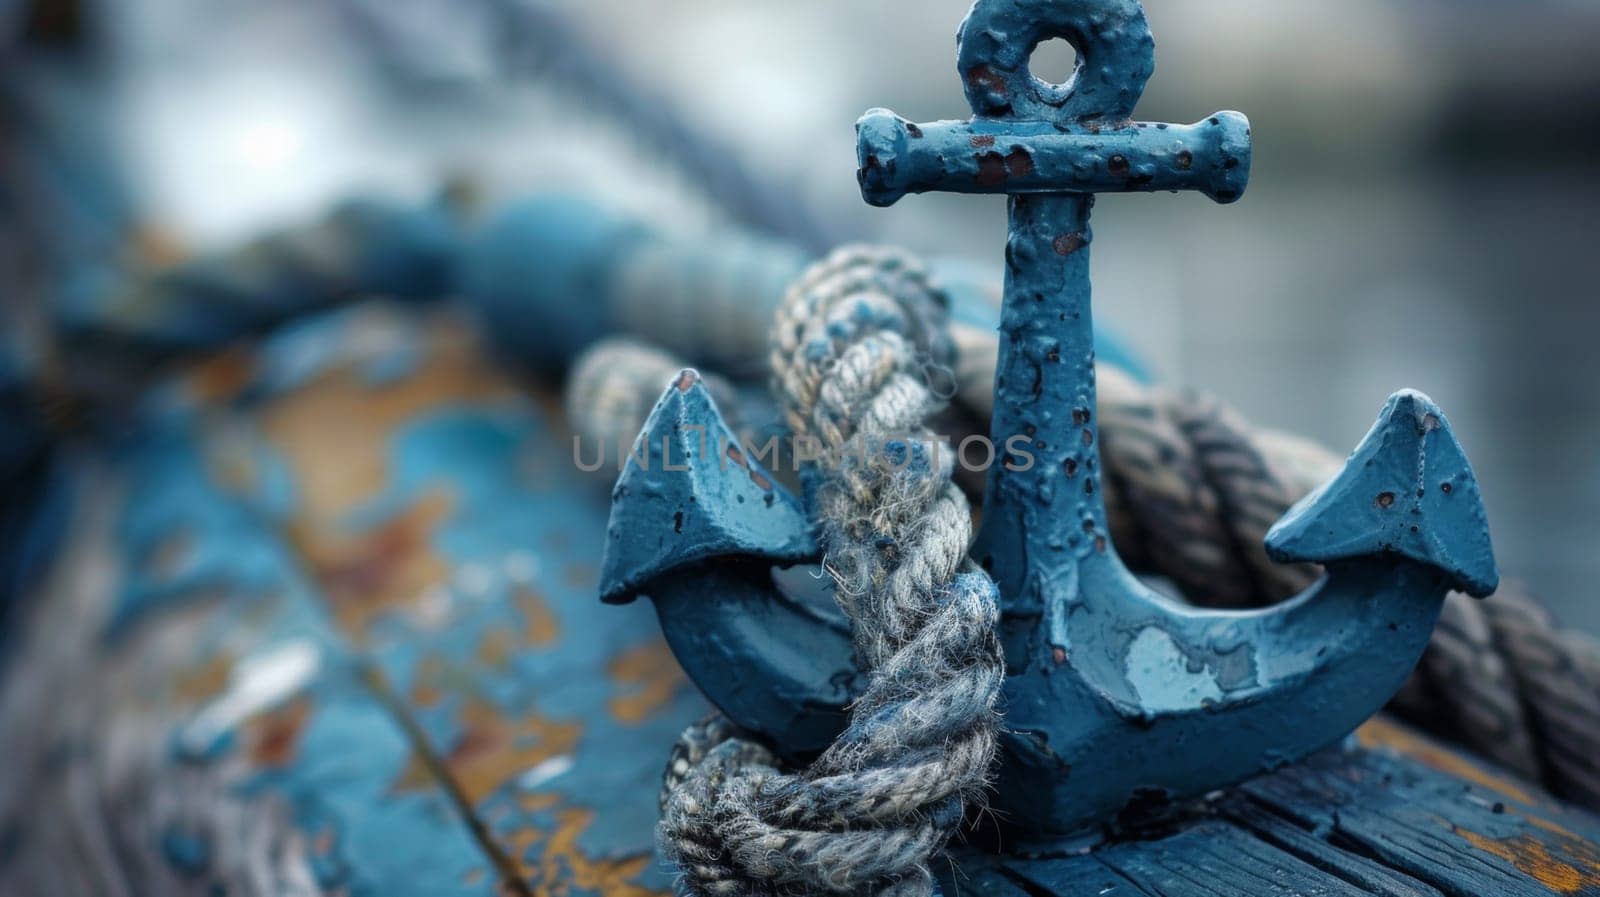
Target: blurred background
<point>1423,209</point>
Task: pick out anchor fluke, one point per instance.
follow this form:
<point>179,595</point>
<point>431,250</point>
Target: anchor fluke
<point>677,504</point>
<point>1407,489</point>
<point>703,530</point>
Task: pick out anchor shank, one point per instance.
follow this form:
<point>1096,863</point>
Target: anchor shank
<point>1043,507</point>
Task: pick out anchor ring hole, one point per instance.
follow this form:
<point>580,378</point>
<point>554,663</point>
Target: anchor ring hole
<point>1054,62</point>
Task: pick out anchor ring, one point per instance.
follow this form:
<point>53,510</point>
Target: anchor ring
<point>1116,56</point>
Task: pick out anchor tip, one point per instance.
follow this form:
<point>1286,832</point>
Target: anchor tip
<point>691,490</point>
<point>1408,489</point>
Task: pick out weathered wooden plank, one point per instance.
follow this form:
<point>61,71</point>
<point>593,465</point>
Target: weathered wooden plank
<point>363,490</point>
<point>456,545</point>
<point>1439,817</point>
<point>1215,858</point>
<point>1210,858</point>
<point>985,877</point>
<point>190,720</point>
<point>1394,814</point>
<point>1370,876</point>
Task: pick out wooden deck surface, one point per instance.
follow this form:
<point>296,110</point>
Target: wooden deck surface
<point>1392,813</point>
<point>336,632</point>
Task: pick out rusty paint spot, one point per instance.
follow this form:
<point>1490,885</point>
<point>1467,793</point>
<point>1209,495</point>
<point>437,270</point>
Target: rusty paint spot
<point>1067,244</point>
<point>1070,466</point>
<point>1385,500</point>
<point>982,140</point>
<point>761,480</point>
<point>985,78</point>
<point>1088,436</point>
<point>274,737</point>
<point>1184,160</point>
<point>1446,488</point>
<point>222,377</point>
<point>1059,655</point>
<point>686,380</point>
<point>1019,163</point>
<point>1118,165</point>
<point>913,130</point>
<point>736,456</point>
<point>991,169</point>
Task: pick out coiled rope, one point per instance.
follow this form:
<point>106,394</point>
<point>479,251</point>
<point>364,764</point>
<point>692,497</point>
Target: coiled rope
<point>1191,489</point>
<point>866,817</point>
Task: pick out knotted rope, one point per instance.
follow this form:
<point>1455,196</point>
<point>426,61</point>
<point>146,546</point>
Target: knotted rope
<point>852,341</point>
<point>1191,488</point>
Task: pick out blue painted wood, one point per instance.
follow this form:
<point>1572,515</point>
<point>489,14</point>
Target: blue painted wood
<point>1390,813</point>
<point>1115,696</point>
<point>473,705</point>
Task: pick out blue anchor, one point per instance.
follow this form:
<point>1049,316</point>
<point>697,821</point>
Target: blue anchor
<point>1116,697</point>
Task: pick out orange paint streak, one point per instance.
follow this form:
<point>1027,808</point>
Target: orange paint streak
<point>650,677</point>
<point>335,432</point>
<point>491,750</point>
<point>274,737</point>
<point>386,569</point>
<point>563,868</point>
<point>543,629</point>
<point>204,682</point>
<point>1576,871</point>
<point>222,377</point>
<point>1381,734</point>
<point>495,648</point>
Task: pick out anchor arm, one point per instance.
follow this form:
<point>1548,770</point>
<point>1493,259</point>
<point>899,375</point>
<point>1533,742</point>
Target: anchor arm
<point>699,527</point>
<point>1171,700</point>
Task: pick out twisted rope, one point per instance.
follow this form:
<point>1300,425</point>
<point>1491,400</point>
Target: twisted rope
<point>866,817</point>
<point>1191,489</point>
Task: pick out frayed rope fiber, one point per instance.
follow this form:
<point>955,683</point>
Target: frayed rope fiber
<point>853,341</point>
